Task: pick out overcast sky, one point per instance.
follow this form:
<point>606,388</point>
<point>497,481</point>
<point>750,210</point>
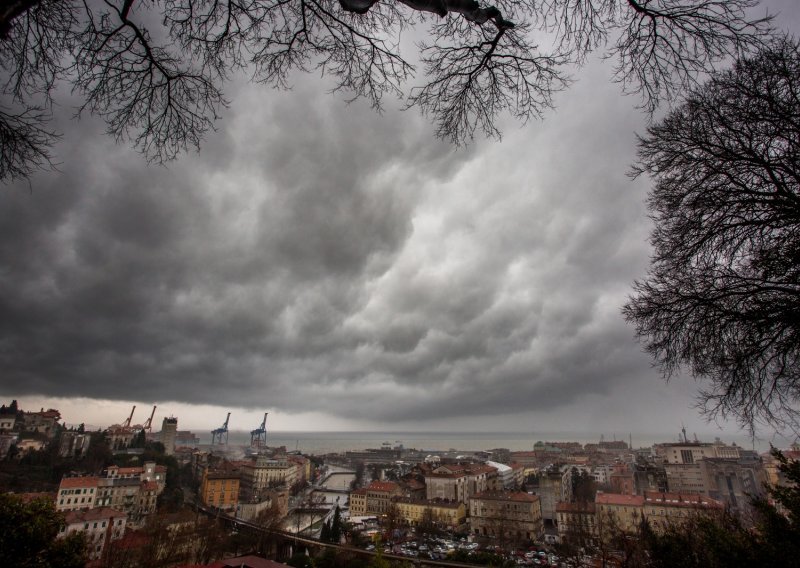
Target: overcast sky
<point>341,270</point>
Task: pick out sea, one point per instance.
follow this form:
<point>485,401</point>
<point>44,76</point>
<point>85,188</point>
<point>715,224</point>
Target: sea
<point>318,443</point>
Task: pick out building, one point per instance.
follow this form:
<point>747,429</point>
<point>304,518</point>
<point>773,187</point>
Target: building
<point>576,522</point>
<point>445,514</point>
<point>169,431</point>
<point>458,482</point>
<point>512,516</point>
<point>622,480</point>
<point>100,525</point>
<point>6,441</point>
<point>670,509</point>
<point>380,495</point>
<point>220,488</point>
<point>185,438</point>
<point>74,444</point>
<point>277,500</point>
<point>508,477</point>
<point>131,490</point>
<point>75,493</point>
<point>550,488</point>
<point>43,422</point>
<point>625,512</point>
<point>374,455</point>
<point>734,482</point>
<point>358,502</point>
<point>119,437</point>
<point>265,472</point>
<point>616,512</point>
<point>692,452</point>
<point>649,477</point>
<point>7,422</point>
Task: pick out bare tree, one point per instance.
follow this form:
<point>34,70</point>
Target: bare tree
<point>155,70</point>
<point>722,297</point>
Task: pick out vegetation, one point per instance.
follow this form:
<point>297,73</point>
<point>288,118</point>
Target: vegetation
<point>722,297</point>
<point>155,71</point>
<point>29,533</point>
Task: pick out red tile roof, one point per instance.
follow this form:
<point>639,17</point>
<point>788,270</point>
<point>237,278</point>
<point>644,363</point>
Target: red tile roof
<point>518,496</point>
<point>680,500</point>
<point>388,486</point>
<point>76,482</point>
<point>564,507</point>
<point>619,499</point>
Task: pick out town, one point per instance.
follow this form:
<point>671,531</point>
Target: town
<point>133,495</point>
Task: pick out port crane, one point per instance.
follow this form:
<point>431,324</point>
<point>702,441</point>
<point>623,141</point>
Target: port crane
<point>216,435</point>
<point>127,423</point>
<point>258,437</point>
<point>149,424</point>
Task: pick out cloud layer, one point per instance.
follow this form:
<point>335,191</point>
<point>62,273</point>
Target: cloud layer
<point>317,257</point>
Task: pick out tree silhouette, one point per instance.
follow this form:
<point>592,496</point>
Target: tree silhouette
<point>155,71</point>
<point>722,298</point>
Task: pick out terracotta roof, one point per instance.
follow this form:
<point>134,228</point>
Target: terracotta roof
<point>361,491</point>
<point>383,486</point>
<point>73,482</point>
<point>564,507</point>
<point>680,500</point>
<point>444,503</point>
<point>518,496</point>
<point>248,562</point>
<point>474,469</point>
<point>619,499</point>
<point>28,497</point>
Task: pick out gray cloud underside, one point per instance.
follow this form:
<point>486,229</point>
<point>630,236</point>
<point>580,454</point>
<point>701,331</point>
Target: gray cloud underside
<point>316,256</point>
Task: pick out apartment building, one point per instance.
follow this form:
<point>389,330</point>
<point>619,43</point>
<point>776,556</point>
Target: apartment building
<point>458,482</point>
<point>220,488</point>
<point>665,509</point>
<point>508,515</point>
<point>101,525</point>
<point>445,514</point>
<point>76,493</point>
<point>576,521</point>
<point>265,472</point>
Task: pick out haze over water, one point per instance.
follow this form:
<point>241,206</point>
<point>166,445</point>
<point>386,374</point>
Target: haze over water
<point>337,442</point>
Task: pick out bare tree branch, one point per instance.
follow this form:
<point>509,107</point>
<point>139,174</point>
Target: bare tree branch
<point>155,70</point>
<point>722,298</point>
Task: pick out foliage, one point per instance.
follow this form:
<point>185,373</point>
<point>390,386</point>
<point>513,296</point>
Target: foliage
<point>155,71</point>
<point>720,540</point>
<point>28,535</point>
<point>722,296</point>
<point>481,558</point>
<point>300,560</point>
<point>168,540</point>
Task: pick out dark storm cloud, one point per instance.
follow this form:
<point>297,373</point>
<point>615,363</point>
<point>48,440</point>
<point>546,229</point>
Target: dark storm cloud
<point>319,257</point>
<point>315,256</point>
